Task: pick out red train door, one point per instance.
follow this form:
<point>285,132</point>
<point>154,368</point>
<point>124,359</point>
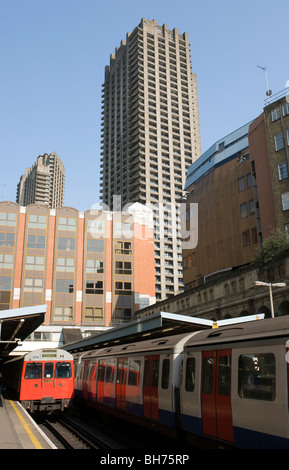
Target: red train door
<point>150,387</point>
<point>48,381</point>
<point>216,394</point>
<point>120,383</point>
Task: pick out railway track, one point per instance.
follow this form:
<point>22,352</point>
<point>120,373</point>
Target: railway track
<point>73,433</point>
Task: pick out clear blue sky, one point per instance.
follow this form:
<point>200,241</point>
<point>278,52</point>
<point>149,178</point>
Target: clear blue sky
<point>53,54</point>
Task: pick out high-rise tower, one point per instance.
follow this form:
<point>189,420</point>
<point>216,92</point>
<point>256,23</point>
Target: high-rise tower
<point>151,135</point>
<point>43,182</point>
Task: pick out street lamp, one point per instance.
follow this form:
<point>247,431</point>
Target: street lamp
<point>270,285</point>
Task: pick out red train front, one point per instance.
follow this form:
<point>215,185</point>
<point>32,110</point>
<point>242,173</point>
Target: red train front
<point>42,380</point>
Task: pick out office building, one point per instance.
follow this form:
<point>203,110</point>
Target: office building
<point>43,182</point>
<point>150,135</point>
<point>92,269</point>
<point>241,188</point>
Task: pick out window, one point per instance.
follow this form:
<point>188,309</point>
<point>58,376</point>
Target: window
<point>63,314</point>
<point>33,370</point>
<point>6,261</point>
<point>224,376</point>
<point>48,370</point>
<point>94,245</point>
<point>124,314</point>
<point>208,374</point>
<point>134,373</point>
<point>95,226</point>
<point>5,283</point>
<point>7,239</point>
<point>35,263</point>
<point>37,221</point>
<point>279,141</point>
<point>66,244</point>
<point>8,219</point>
<point>123,248</point>
<point>95,287</point>
<point>36,241</point>
<point>93,314</point>
<point>241,184</point>
<point>166,374</point>
<point>65,264</point>
<point>249,180</point>
<point>32,284</point>
<point>254,236</point>
<point>282,170</point>
<point>257,376</point>
<point>122,229</point>
<point>67,223</point>
<point>244,210</point>
<point>252,207</point>
<point>190,374</point>
<point>123,288</point>
<point>285,201</point>
<point>94,266</point>
<point>285,108</point>
<point>64,285</point>
<point>62,370</point>
<point>123,267</point>
<point>246,238</point>
<point>275,114</point>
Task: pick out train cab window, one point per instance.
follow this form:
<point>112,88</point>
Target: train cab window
<point>257,376</point>
<point>33,370</point>
<point>63,370</point>
<point>190,374</point>
<point>166,374</point>
<point>48,370</point>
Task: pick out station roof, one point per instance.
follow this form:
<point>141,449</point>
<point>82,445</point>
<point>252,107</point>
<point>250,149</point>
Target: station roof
<point>17,324</point>
<point>159,324</point>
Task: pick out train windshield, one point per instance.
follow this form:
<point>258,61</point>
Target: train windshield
<point>33,370</point>
<point>62,370</point>
<point>48,370</point>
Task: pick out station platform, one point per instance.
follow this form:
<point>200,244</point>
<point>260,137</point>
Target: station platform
<point>18,430</point>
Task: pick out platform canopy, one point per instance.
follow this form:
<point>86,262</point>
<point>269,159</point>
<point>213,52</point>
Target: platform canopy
<point>17,324</point>
<point>159,324</point>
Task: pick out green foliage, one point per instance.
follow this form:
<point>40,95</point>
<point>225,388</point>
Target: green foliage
<point>273,252</point>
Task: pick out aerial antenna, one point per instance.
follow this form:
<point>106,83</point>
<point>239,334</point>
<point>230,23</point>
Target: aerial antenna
<point>268,92</point>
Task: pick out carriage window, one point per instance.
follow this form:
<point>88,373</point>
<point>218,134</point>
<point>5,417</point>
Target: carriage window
<point>48,370</point>
<point>101,371</point>
<point>33,370</point>
<point>190,374</point>
<point>257,376</point>
<point>63,370</point>
<point>166,374</point>
<point>224,377</point>
<point>134,372</point>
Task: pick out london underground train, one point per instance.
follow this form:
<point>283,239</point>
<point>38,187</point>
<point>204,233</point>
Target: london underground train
<point>226,386</point>
<point>42,380</point>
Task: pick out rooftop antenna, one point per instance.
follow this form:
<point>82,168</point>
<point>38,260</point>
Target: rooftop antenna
<point>268,92</point>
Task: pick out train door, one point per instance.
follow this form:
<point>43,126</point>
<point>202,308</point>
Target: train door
<point>120,383</point>
<point>216,394</point>
<point>150,387</point>
<point>48,384</point>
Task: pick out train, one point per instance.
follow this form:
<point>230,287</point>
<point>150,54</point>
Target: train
<point>222,387</point>
<point>42,380</point>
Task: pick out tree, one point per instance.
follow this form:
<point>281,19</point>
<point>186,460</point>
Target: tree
<point>272,253</point>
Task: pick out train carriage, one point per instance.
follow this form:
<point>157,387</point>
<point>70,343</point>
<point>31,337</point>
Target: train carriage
<point>139,380</point>
<point>42,380</point>
<point>236,385</point>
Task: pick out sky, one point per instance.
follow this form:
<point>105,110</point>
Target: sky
<point>52,60</point>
